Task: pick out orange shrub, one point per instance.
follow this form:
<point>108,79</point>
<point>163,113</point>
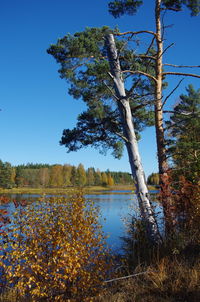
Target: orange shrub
<point>57,250</point>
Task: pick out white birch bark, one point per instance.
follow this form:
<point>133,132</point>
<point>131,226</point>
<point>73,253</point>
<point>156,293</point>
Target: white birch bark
<point>131,142</point>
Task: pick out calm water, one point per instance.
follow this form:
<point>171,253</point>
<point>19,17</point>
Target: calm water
<point>115,208</point>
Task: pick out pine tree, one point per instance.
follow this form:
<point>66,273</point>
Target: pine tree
<point>106,124</point>
<point>5,175</point>
<point>184,133</point>
<point>73,178</point>
<point>120,7</point>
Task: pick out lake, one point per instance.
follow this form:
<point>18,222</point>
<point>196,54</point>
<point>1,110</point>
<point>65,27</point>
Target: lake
<point>115,208</point>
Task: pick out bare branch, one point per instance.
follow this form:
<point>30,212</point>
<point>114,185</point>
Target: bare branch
<point>164,102</point>
<point>182,74</point>
<point>125,277</point>
<point>110,74</point>
<point>168,26</point>
<point>151,57</point>
<point>142,73</point>
<point>150,45</point>
<point>166,49</point>
<point>182,66</point>
<point>136,33</point>
<point>122,136</point>
<point>133,87</point>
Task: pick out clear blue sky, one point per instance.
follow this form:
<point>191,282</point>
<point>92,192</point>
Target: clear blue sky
<point>33,99</point>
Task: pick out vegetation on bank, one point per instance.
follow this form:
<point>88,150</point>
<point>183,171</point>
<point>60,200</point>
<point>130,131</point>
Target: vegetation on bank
<point>58,253</point>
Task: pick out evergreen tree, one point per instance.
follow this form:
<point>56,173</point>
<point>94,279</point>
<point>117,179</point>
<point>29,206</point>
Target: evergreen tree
<point>19,177</point>
<point>5,175</point>
<point>106,124</point>
<point>120,7</point>
<point>184,133</point>
<point>73,178</point>
<point>100,125</point>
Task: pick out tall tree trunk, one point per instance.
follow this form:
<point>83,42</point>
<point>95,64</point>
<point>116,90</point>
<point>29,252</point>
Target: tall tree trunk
<point>131,143</point>
<point>161,149</point>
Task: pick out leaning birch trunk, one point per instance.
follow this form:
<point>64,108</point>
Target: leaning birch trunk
<point>131,143</point>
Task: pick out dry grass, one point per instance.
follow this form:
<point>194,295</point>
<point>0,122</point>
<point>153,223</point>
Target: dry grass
<point>168,281</point>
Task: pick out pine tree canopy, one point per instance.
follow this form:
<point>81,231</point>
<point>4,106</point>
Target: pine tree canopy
<point>84,65</point>
<point>119,8</point>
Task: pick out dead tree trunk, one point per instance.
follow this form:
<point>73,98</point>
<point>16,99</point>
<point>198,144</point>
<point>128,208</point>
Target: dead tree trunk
<point>131,143</point>
<point>161,148</point>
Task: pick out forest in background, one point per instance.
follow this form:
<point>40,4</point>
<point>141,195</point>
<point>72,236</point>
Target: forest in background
<point>53,176</point>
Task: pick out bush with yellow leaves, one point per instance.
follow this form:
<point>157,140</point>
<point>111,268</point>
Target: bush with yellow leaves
<point>56,250</point>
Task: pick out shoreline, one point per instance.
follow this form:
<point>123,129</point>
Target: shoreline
<point>86,190</point>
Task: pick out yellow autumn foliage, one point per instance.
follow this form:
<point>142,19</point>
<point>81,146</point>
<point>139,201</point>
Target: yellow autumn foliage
<point>56,250</point>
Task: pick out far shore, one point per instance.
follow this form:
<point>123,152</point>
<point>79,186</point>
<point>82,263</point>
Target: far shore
<point>85,189</point>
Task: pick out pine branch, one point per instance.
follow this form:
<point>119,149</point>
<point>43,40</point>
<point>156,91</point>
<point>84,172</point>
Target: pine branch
<point>142,73</point>
<point>144,104</point>
<point>182,74</point>
<point>177,122</point>
<point>136,33</point>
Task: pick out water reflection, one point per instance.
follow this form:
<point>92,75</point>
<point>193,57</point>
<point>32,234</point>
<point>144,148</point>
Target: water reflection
<point>114,208</point>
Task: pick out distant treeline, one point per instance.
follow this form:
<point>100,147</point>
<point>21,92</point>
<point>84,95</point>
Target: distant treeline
<point>45,175</point>
<point>153,179</point>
